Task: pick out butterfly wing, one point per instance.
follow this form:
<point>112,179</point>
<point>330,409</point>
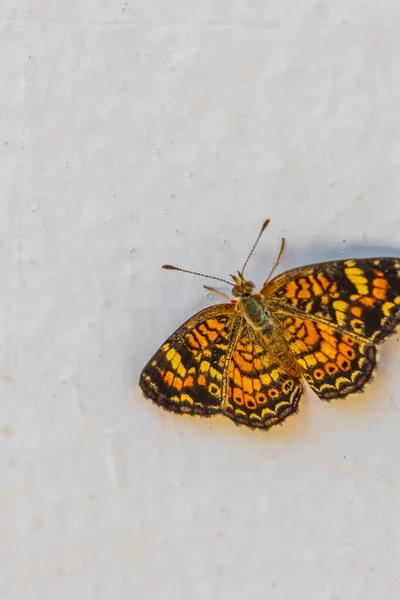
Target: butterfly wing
<point>360,296</point>
<point>333,314</point>
<point>334,363</point>
<point>215,362</point>
<point>186,374</point>
<point>262,389</point>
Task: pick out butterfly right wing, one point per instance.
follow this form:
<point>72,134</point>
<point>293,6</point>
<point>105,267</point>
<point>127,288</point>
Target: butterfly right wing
<point>360,296</point>
<point>334,363</point>
<point>333,314</point>
<point>186,375</point>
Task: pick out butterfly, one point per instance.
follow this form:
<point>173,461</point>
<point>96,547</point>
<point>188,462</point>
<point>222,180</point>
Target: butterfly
<point>248,358</point>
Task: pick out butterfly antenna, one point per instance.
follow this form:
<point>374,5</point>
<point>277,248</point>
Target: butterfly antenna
<point>277,259</point>
<point>255,244</point>
<point>170,267</point>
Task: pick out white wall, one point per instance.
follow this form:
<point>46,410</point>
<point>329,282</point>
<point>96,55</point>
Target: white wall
<point>138,133</point>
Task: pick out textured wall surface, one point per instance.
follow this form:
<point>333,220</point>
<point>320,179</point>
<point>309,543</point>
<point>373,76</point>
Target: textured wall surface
<point>138,133</point>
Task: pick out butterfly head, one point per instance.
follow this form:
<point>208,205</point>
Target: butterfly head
<point>242,288</point>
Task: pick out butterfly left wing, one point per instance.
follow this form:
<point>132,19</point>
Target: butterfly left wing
<point>264,385</point>
<point>186,374</point>
<point>217,363</point>
<point>333,314</point>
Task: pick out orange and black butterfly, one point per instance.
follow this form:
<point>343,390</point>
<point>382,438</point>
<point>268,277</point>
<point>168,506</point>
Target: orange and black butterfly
<point>247,358</point>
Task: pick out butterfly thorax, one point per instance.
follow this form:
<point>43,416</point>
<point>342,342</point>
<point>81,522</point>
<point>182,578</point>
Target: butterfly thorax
<point>250,304</point>
<point>254,312</point>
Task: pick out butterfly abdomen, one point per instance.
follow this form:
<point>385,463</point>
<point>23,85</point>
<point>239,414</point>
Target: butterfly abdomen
<point>271,334</point>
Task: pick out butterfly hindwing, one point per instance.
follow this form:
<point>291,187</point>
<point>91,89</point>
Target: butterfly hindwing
<point>261,391</point>
<point>334,363</point>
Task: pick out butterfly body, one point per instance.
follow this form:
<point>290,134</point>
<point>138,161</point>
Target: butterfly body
<point>247,359</point>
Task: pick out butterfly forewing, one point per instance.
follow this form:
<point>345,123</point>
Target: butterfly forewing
<point>360,296</point>
<point>186,374</point>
